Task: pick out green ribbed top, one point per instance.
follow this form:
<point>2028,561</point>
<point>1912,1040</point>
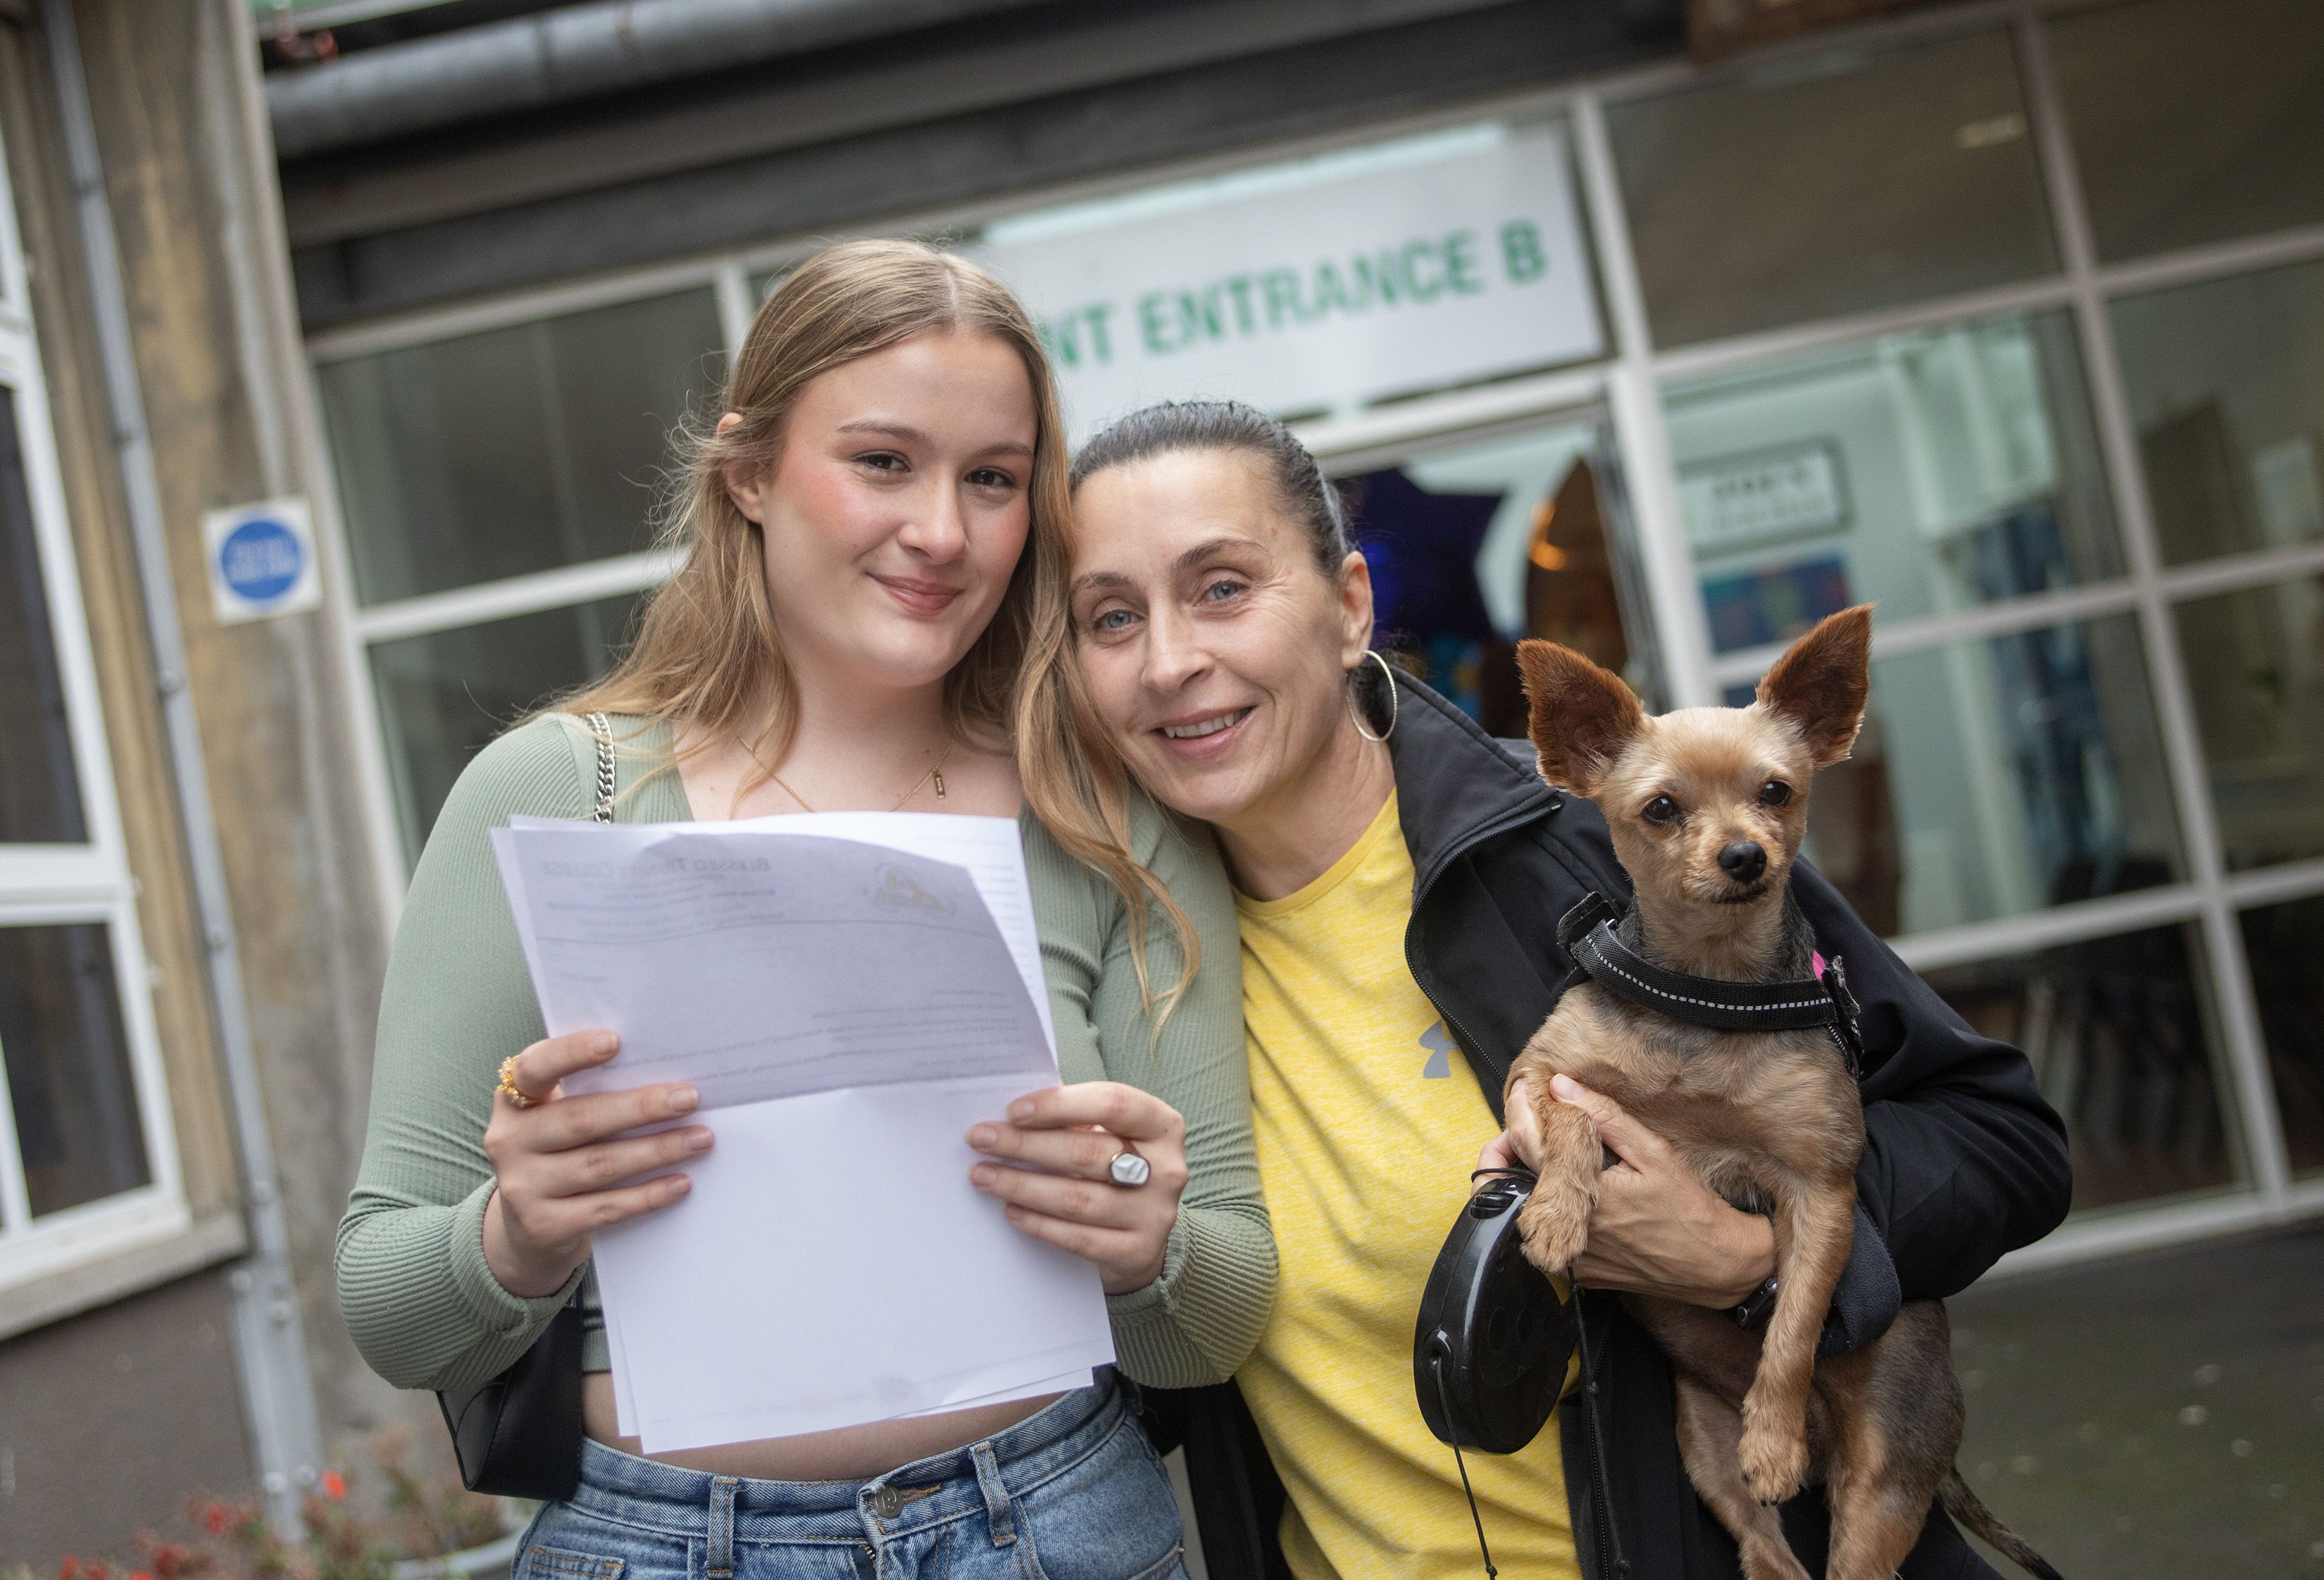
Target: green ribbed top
<point>421,1302</point>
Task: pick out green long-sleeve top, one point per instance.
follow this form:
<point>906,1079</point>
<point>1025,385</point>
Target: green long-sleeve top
<point>421,1302</point>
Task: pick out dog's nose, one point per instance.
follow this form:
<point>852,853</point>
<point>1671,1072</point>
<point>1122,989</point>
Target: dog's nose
<point>1743,860</point>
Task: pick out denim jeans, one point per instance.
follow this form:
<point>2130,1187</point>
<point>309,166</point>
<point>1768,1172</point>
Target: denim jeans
<point>1074,1492</point>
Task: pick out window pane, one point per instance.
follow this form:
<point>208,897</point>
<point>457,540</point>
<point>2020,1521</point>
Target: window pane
<point>2194,120</point>
<point>2120,1035</point>
<point>68,1057</point>
<point>1931,471</point>
<point>2285,946</point>
<point>2226,385</point>
<point>2255,665</point>
<point>442,697</point>
<point>39,790</point>
<point>514,450</point>
<point>1837,186</point>
<point>1999,777</point>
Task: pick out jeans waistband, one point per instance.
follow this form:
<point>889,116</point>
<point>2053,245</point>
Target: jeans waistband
<point>980,1477</point>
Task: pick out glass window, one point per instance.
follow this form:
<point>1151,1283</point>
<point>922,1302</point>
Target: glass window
<point>1931,471</point>
<point>2285,946</point>
<point>2226,386</point>
<point>2256,667</point>
<point>2194,120</point>
<point>1849,182</point>
<point>40,789</point>
<point>1997,777</point>
<point>2121,1037</point>
<point>67,1056</point>
<point>443,697</point>
<point>514,450</point>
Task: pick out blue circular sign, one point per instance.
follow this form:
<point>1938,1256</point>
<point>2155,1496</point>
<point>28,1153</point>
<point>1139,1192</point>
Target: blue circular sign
<point>261,560</point>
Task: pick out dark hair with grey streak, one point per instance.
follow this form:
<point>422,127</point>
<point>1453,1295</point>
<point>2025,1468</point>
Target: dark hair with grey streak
<point>1230,425</point>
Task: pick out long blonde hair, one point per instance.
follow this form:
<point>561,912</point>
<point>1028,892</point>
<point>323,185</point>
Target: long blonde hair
<point>708,655</point>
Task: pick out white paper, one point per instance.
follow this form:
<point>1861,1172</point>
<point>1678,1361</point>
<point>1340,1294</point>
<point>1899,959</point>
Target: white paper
<point>850,992</point>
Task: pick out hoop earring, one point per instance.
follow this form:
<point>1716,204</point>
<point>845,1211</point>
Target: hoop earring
<point>1357,714</point>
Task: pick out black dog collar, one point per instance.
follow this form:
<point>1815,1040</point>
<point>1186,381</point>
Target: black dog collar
<point>1587,934</point>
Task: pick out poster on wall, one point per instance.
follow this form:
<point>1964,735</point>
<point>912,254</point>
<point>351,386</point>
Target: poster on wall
<point>1313,287</point>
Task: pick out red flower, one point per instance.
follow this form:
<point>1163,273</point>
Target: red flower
<point>215,1519</point>
<point>139,1574</point>
<point>335,1485</point>
<point>70,1569</point>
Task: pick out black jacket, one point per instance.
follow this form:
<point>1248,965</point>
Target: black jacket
<point>1962,1160</point>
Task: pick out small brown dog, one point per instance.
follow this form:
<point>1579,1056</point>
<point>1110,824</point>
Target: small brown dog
<point>1707,808</point>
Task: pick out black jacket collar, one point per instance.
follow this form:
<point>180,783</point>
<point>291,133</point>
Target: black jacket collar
<point>1455,783</point>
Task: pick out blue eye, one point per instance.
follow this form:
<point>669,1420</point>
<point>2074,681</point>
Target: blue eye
<point>1112,619</point>
<point>1220,591</point>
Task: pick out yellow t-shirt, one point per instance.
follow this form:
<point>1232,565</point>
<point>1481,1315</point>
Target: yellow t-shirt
<point>1367,1120</point>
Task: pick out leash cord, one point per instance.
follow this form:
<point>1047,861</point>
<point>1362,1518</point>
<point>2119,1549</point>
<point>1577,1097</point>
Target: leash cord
<point>1444,1403</point>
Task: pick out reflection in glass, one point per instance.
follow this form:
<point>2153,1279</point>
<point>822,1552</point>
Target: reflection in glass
<point>443,697</point>
<point>2256,667</point>
<point>1809,191</point>
<point>2226,386</point>
<point>1475,548</point>
<point>514,450</point>
<point>2193,120</point>
<point>1930,471</point>
<point>2120,1035</point>
<point>40,789</point>
<point>2285,946</point>
<point>68,1059</point>
<point>1999,777</point>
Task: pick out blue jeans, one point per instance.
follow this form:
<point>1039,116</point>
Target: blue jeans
<point>1074,1492</point>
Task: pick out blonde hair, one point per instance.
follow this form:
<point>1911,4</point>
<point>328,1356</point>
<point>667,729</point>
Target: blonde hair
<point>707,653</point>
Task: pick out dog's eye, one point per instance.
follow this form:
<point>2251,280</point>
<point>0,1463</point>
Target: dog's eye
<point>1774,793</point>
<point>1661,810</point>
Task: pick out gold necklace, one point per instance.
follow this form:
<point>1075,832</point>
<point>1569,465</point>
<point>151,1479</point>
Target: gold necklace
<point>934,774</point>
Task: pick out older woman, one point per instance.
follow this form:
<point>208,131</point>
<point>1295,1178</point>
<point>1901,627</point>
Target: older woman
<point>1400,876</point>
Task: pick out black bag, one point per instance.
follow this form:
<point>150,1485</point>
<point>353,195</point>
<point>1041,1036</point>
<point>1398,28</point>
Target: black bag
<point>520,1435</point>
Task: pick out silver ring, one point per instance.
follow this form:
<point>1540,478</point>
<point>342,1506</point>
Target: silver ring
<point>1127,1168</point>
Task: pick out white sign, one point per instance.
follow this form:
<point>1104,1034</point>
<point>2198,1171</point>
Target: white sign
<point>262,559</point>
<point>1792,492</point>
<point>1313,287</point>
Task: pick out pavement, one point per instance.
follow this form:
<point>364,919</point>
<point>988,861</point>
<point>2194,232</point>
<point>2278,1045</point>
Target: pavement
<point>2161,1415</point>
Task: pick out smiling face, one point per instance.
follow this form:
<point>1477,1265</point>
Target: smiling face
<point>895,514</point>
<point>1213,647</point>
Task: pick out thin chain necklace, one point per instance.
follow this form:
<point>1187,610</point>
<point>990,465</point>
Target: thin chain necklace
<point>934,774</point>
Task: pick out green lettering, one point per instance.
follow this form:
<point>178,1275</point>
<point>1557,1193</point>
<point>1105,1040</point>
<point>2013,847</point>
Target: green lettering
<point>1200,317</point>
<point>1330,290</point>
<point>1240,287</point>
<point>1461,262</point>
<point>1422,290</point>
<point>1521,252</point>
<point>1100,342</point>
<point>1281,289</point>
<point>1153,324</point>
<point>1377,277</point>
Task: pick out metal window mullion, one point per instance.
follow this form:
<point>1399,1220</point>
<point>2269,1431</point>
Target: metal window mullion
<point>1682,627</point>
<point>482,603</point>
<point>1979,621</point>
<point>2275,885</point>
<point>2233,997</point>
<point>735,308</point>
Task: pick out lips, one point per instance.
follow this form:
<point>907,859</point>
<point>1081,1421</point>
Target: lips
<point>1195,730</point>
<point>917,596</point>
<point>1202,738</point>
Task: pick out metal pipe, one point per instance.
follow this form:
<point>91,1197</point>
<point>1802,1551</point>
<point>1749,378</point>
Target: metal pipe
<point>278,1390</point>
<point>558,56</point>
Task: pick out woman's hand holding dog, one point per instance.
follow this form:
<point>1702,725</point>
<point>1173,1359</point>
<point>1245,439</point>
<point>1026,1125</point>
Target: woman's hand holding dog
<point>564,1164</point>
<point>1067,1138</point>
<point>1657,1230</point>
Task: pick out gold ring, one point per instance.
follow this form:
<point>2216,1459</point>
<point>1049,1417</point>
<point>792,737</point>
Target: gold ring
<point>517,1095</point>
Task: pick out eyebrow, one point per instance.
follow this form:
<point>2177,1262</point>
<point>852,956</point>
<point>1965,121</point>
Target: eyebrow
<point>1186,561</point>
<point>910,435</point>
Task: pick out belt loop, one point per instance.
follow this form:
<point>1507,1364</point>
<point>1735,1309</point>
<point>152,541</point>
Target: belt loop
<point>997,1507</point>
<point>721,1565</point>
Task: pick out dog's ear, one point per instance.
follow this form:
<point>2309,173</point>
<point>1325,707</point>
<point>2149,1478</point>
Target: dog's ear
<point>1823,681</point>
<point>1582,714</point>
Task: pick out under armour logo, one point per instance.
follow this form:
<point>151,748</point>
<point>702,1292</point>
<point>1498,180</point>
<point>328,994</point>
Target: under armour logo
<point>1439,1044</point>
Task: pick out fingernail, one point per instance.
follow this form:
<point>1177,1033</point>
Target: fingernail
<point>982,1136</point>
<point>697,1141</point>
<point>1567,1088</point>
<point>678,1184</point>
<point>981,1174</point>
<point>685,1100</point>
<point>1021,1110</point>
<point>603,1043</point>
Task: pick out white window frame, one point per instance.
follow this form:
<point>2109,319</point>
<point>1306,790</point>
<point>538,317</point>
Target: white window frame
<point>1629,384</point>
<point>51,884</point>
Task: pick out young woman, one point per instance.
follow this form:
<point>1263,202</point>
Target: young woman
<point>1400,877</point>
<point>871,534</point>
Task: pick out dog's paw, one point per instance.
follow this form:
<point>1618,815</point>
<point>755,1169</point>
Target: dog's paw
<point>1553,1226</point>
<point>1774,1459</point>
